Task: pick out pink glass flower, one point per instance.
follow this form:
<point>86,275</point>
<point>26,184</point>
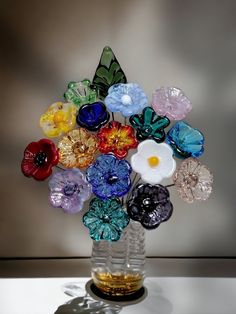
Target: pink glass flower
<point>171,102</point>
<point>193,180</point>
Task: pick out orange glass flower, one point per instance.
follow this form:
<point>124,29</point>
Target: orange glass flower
<point>77,149</point>
<point>116,138</point>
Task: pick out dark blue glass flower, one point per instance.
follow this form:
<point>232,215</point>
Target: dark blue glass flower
<point>105,219</point>
<point>93,116</point>
<point>185,140</point>
<point>150,205</point>
<point>109,176</point>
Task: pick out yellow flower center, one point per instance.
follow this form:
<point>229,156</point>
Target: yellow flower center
<point>59,116</point>
<point>153,161</point>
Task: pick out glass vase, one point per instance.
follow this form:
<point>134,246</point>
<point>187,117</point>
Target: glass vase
<point>118,268</point>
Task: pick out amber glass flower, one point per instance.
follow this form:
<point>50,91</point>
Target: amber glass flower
<point>77,149</point>
<point>116,138</point>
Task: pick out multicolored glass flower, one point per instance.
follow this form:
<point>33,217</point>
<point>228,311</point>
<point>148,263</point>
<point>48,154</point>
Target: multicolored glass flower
<point>193,180</point>
<point>59,118</point>
<point>39,158</point>
<point>116,138</point>
<point>149,125</point>
<point>69,190</point>
<point>80,93</point>
<point>109,176</point>
<point>105,219</point>
<point>185,140</point>
<point>153,161</point>
<point>171,102</point>
<point>93,116</point>
<point>77,148</point>
<point>128,99</point>
<point>150,205</point>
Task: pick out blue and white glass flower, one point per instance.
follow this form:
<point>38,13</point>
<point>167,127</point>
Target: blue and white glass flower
<point>128,99</point>
<point>185,140</point>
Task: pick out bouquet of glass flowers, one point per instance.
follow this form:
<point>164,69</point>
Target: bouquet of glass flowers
<point>92,154</point>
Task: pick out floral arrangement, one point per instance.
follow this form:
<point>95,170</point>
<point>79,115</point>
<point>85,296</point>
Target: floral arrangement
<point>93,147</point>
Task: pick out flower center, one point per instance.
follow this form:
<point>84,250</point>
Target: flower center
<point>153,161</point>
<point>106,218</point>
<point>191,180</point>
<point>146,129</point>
<point>126,100</point>
<point>79,148</point>
<point>40,159</point>
<point>59,116</point>
<point>70,189</point>
<point>147,201</point>
<point>112,179</point>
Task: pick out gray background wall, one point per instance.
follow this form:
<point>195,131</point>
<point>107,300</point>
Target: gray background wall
<point>45,44</point>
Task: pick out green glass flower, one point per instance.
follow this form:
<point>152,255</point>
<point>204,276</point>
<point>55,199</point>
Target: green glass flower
<point>149,125</point>
<point>105,219</point>
<point>80,93</point>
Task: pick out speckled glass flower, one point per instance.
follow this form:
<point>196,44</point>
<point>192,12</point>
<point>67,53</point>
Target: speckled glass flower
<point>105,219</point>
<point>185,140</point>
<point>116,138</point>
<point>69,190</point>
<point>149,125</point>
<point>153,161</point>
<point>193,180</point>
<point>150,205</point>
<point>80,93</point>
<point>128,99</point>
<point>59,118</point>
<point>109,176</point>
<point>77,149</point>
<point>171,102</point>
<point>93,116</point>
<point>39,158</point>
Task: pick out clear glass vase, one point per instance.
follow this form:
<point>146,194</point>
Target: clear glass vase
<point>118,268</point>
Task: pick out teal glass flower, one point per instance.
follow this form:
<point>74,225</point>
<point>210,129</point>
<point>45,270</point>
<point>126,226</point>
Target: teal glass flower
<point>105,219</point>
<point>149,125</point>
<point>80,93</point>
<point>185,140</point>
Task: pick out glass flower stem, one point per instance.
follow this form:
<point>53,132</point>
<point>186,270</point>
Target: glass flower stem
<point>132,184</point>
<point>59,167</point>
<point>125,120</point>
<point>113,117</point>
<point>169,185</point>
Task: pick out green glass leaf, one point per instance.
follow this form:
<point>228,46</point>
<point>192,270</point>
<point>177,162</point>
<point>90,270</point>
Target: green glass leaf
<point>108,72</point>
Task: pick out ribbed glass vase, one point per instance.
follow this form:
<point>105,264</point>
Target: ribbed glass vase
<point>118,268</point>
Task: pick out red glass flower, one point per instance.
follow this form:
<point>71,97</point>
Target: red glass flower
<point>116,138</point>
<point>39,157</point>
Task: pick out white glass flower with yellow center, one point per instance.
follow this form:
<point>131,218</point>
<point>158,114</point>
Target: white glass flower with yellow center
<point>153,161</point>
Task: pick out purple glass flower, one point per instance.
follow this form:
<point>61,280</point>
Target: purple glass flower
<point>69,190</point>
<point>171,102</point>
<point>150,205</point>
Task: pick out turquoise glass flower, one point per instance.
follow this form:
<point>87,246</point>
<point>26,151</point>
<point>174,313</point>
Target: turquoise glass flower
<point>149,125</point>
<point>105,219</point>
<point>128,99</point>
<point>185,140</point>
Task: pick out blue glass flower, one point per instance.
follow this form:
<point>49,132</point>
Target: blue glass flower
<point>93,116</point>
<point>109,176</point>
<point>185,140</point>
<point>105,219</point>
<point>128,99</point>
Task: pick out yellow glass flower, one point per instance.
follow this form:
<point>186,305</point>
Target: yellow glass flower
<point>77,149</point>
<point>59,118</point>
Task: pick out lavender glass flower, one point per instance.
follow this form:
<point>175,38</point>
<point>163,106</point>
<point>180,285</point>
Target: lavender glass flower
<point>171,102</point>
<point>69,190</point>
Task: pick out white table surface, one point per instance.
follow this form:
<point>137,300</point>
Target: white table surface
<point>166,295</point>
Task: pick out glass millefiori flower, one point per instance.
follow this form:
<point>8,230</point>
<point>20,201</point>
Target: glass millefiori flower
<point>109,176</point>
<point>116,138</point>
<point>193,180</point>
<point>149,125</point>
<point>171,102</point>
<point>153,161</point>
<point>77,149</point>
<point>185,140</point>
<point>128,99</point>
<point>69,190</point>
<point>39,158</point>
<point>59,118</point>
<point>105,219</point>
<point>150,205</point>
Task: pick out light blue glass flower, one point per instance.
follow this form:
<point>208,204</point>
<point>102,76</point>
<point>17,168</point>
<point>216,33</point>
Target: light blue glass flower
<point>105,219</point>
<point>185,140</point>
<point>128,99</point>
